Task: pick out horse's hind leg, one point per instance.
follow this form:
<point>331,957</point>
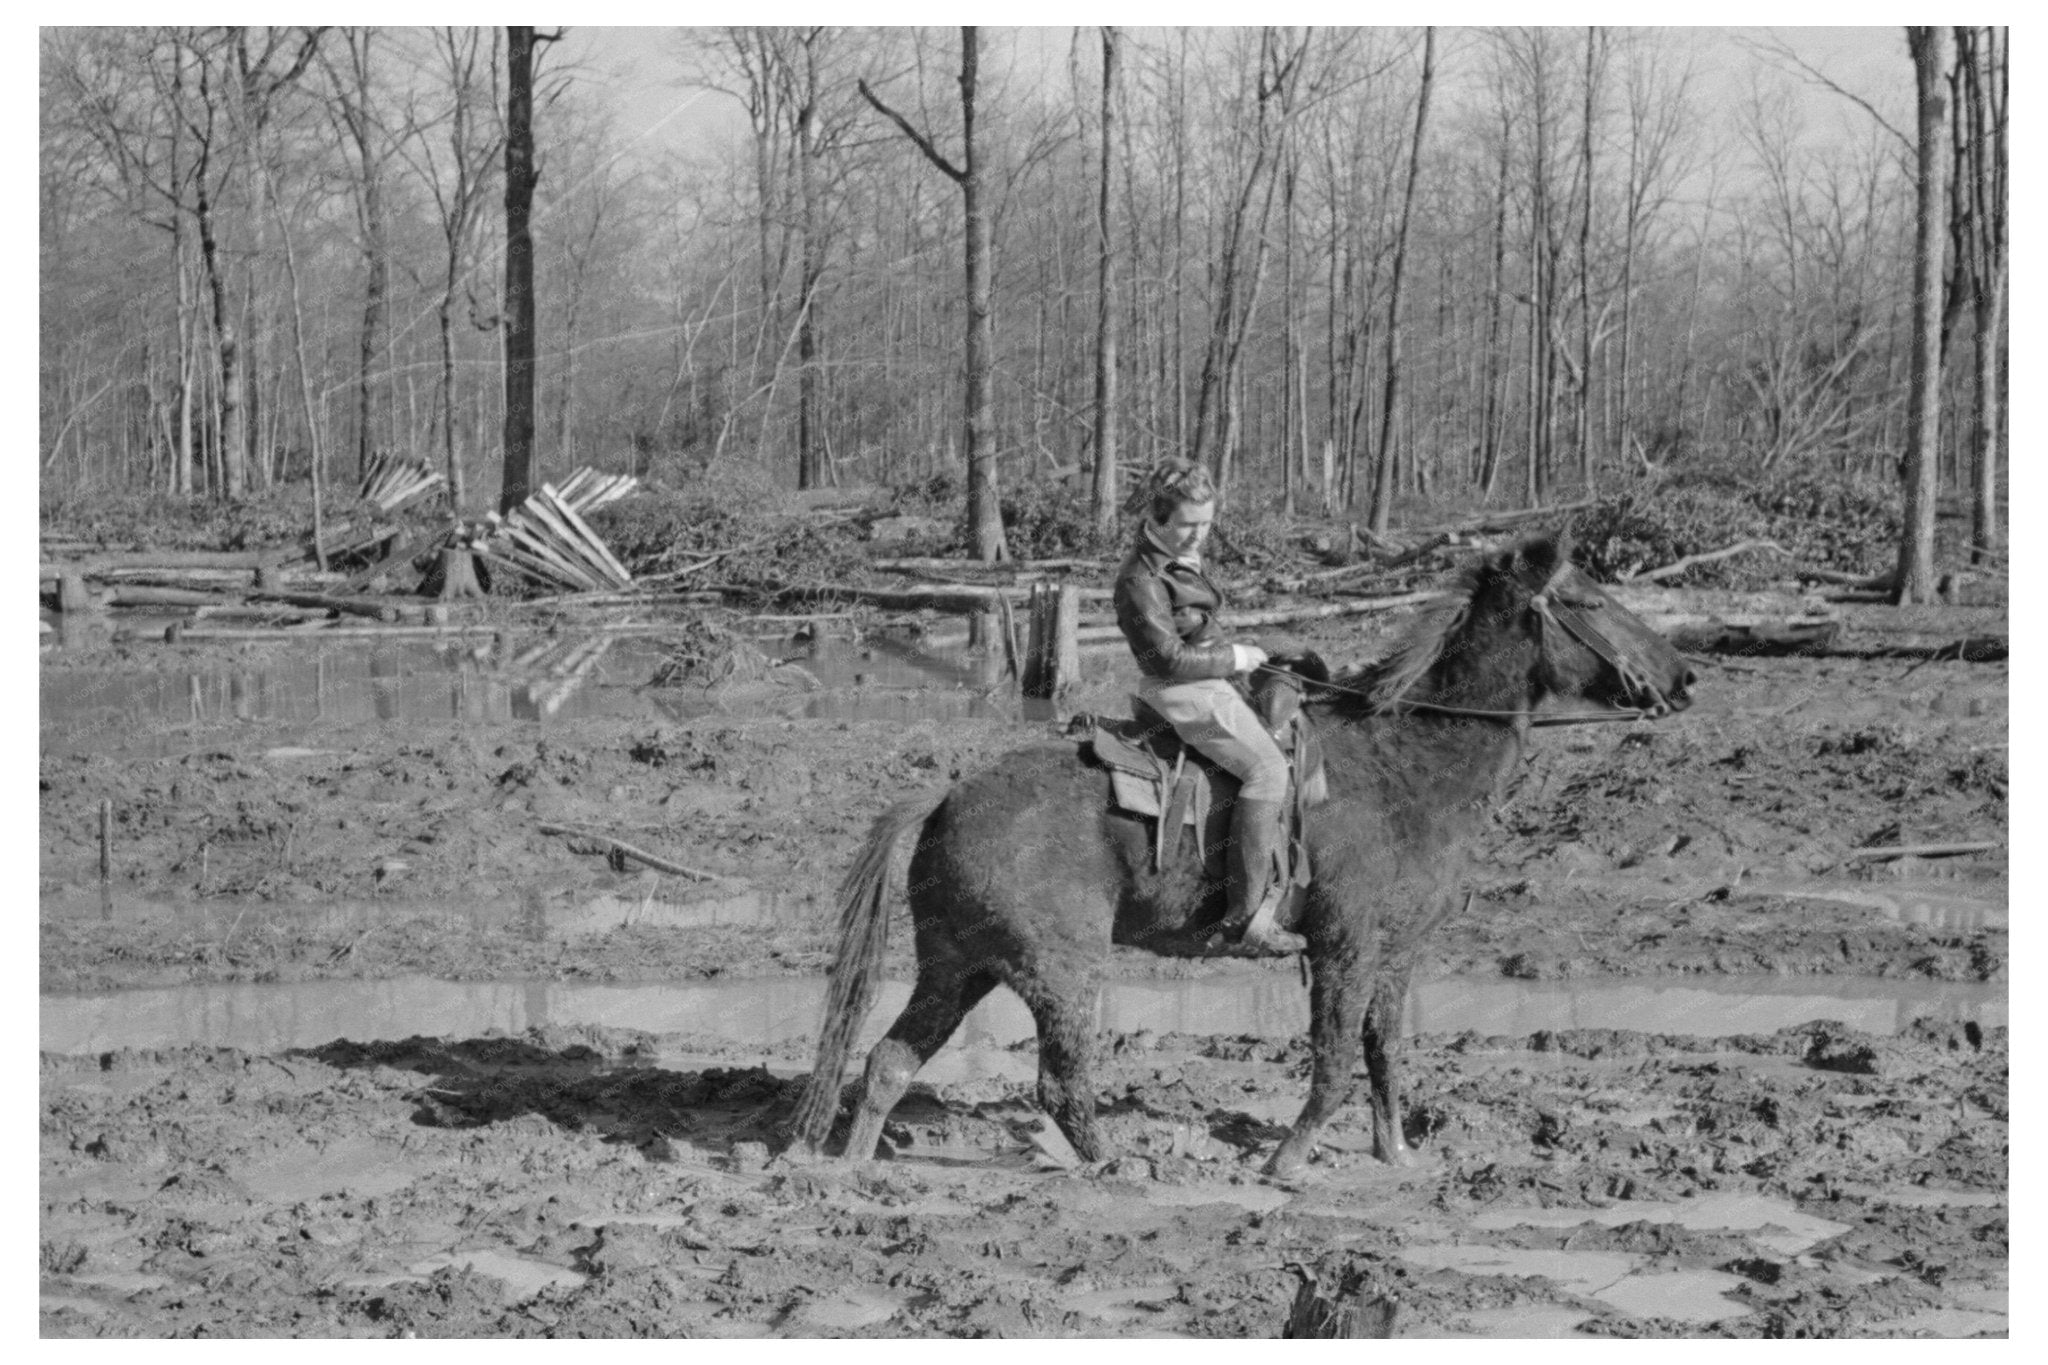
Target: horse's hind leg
<point>939,1001</point>
<point>1335,1007</point>
<point>1382,1038</point>
<point>1066,1047</point>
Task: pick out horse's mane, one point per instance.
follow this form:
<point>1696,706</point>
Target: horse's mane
<point>1375,688</point>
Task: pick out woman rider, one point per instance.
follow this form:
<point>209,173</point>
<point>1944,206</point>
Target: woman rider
<point>1167,608</point>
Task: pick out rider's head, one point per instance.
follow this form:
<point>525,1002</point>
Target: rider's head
<point>1175,483</point>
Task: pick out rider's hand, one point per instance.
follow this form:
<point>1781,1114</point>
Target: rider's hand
<point>1249,657</point>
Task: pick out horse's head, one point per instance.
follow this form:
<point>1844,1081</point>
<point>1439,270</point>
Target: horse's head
<point>1593,648</point>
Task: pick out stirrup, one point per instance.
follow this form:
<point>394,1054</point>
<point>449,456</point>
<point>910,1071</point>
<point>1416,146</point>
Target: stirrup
<point>1264,936</point>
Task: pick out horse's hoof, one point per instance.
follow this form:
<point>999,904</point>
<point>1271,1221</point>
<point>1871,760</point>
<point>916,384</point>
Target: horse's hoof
<point>1284,1165</point>
<point>1257,943</point>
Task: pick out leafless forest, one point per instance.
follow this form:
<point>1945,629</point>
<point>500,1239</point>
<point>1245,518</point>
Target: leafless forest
<point>1346,267</point>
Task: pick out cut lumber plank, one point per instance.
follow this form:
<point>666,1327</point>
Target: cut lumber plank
<point>596,541</point>
<point>546,517</point>
<point>543,549</point>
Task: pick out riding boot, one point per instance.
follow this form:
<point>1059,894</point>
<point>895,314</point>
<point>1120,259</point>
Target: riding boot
<point>1253,890</point>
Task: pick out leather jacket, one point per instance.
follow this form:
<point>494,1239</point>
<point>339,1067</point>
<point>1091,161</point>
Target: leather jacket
<point>1167,610</point>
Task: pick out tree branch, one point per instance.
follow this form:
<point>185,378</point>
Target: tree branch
<point>924,144</point>
<point>1775,49</point>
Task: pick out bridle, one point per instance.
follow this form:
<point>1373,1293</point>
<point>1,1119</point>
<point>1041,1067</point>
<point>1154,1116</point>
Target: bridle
<point>1555,607</point>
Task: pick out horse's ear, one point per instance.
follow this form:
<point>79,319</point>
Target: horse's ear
<point>1541,556</point>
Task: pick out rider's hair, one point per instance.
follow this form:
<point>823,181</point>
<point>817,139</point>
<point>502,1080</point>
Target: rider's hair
<point>1175,483</point>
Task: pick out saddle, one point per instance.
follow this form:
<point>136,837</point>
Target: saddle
<point>1153,773</point>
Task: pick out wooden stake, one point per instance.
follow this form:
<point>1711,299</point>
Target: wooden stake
<point>1053,661</point>
<point>72,596</point>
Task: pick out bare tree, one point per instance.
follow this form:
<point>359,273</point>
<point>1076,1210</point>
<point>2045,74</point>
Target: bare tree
<point>520,178</point>
<point>459,179</point>
<point>1241,253</point>
<point>1104,492</point>
<point>354,108</point>
<point>1932,50</point>
<point>1383,461</point>
<point>1980,217</point>
<point>984,514</point>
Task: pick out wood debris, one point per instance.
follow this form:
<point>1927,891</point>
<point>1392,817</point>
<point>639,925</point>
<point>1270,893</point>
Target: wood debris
<point>391,482</point>
<point>547,539</point>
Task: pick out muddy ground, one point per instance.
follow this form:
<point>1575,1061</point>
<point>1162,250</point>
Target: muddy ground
<point>589,1180</point>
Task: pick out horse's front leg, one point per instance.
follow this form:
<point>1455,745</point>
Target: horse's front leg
<point>1336,1004</point>
<point>1383,1044</point>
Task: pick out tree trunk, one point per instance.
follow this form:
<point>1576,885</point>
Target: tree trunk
<point>1983,67</point>
<point>1383,464</point>
<point>1930,46</point>
<point>1583,416</point>
<point>984,513</point>
<point>519,303</point>
<point>1492,371</point>
<point>1104,492</point>
<point>230,437</point>
<point>809,426</point>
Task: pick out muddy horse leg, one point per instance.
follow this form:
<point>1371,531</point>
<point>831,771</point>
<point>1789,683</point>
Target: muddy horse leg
<point>1066,1051</point>
<point>1383,1043</point>
<point>1335,1007</point>
<point>939,1001</point>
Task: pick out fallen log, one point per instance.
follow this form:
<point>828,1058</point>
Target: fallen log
<point>1100,629</point>
<point>1871,582</point>
<point>1763,638</point>
<point>1888,853</point>
<point>626,850</point>
<point>953,597</point>
<point>348,606</point>
<point>143,595</point>
<point>93,565</point>
<point>1285,616</point>
<point>1679,566</point>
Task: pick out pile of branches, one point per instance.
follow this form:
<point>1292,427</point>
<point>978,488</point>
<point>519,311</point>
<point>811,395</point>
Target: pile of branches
<point>1840,524</point>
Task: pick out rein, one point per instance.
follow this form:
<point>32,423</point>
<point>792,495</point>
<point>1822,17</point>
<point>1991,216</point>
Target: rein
<point>1575,719</point>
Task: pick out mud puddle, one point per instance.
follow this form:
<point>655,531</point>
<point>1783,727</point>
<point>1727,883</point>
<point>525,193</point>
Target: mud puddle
<point>776,1012</point>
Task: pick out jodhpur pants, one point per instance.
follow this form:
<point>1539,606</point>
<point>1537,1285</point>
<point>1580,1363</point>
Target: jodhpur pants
<point>1212,716</point>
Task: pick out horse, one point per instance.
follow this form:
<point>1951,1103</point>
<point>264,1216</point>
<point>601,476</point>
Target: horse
<point>1023,875</point>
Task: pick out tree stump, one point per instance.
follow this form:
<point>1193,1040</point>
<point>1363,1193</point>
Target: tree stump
<point>1352,1298</point>
<point>457,573</point>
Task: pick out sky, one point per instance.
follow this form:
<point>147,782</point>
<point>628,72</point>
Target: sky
<point>657,113</point>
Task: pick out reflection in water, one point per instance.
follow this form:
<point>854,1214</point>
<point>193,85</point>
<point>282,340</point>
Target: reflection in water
<point>773,1011</point>
<point>487,679</point>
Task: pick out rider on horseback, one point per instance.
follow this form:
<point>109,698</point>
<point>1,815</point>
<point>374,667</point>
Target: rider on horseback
<point>1167,608</point>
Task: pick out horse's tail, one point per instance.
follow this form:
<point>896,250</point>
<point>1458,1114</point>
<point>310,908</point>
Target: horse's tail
<point>863,941</point>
